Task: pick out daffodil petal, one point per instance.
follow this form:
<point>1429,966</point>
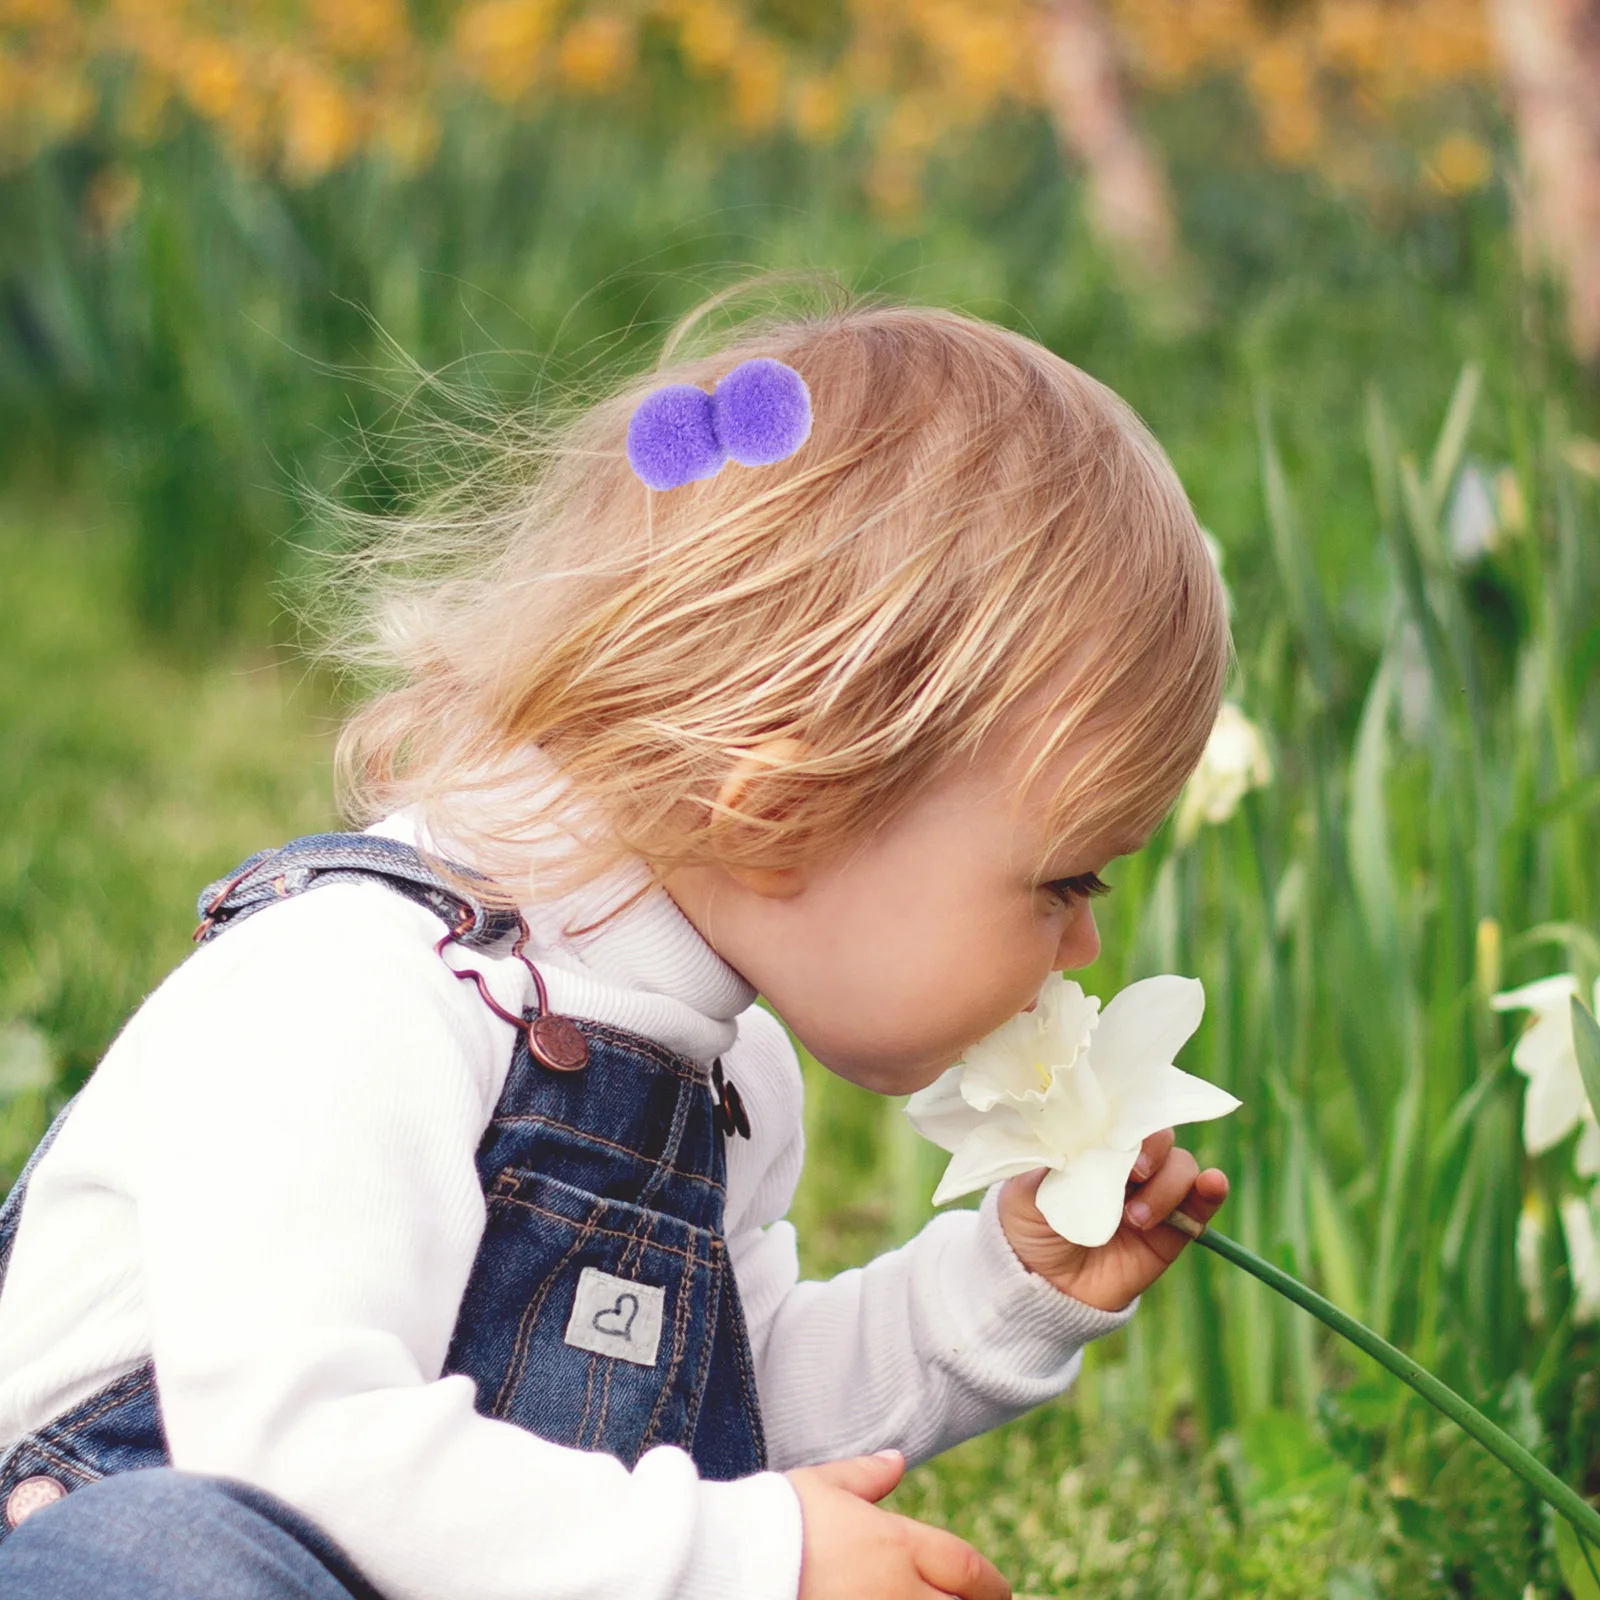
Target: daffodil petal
<point>1553,1107</point>
<point>1172,1098</point>
<point>1541,995</point>
<point>1583,1256</point>
<point>940,1113</point>
<point>1083,1201</point>
<point>1547,1046</point>
<point>1000,1148</point>
<point>1586,1158</point>
<point>1020,1058</point>
<point>1144,1027</point>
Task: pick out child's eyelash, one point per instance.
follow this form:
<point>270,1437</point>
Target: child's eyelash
<point>1086,886</point>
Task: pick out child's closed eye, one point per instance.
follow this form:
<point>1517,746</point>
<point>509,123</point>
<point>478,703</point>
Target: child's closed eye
<point>1085,886</point>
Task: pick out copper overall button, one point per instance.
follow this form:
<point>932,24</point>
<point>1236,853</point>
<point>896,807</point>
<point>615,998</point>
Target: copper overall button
<point>32,1494</point>
<point>557,1042</point>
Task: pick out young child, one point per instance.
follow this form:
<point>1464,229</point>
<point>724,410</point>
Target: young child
<point>431,1224</point>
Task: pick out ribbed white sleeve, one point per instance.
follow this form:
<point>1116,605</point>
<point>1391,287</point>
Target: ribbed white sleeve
<point>944,1338</point>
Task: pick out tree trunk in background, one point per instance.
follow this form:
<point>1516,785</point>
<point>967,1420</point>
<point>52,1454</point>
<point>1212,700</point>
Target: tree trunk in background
<point>1129,202</point>
<point>1551,53</point>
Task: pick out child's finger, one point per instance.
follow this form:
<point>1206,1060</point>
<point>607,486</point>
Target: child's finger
<point>870,1477</point>
<point>1153,1153</point>
<point>1205,1199</point>
<point>1165,1192</point>
<point>953,1567</point>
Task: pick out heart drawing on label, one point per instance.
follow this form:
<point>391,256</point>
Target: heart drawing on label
<point>617,1321</point>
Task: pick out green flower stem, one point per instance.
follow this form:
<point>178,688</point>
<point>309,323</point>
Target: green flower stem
<point>1583,1517</point>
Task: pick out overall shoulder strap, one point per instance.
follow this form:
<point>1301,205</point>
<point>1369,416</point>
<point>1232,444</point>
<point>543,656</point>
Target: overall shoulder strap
<point>272,875</point>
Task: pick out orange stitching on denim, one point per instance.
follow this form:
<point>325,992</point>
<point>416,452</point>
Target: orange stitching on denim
<point>70,1465</point>
<point>110,1397</point>
<point>626,1262</point>
<point>680,1066</point>
<point>609,1144</point>
<point>588,1395</point>
<point>680,1333</point>
<point>610,1233</point>
<point>708,1344</point>
<point>530,1316</point>
<point>744,1354</point>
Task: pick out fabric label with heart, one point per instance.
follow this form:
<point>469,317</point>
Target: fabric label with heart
<point>613,1317</point>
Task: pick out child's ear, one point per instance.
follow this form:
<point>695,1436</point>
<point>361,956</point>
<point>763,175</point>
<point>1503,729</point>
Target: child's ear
<point>779,883</point>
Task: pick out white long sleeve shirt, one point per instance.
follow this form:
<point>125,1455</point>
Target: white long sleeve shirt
<point>269,1186</point>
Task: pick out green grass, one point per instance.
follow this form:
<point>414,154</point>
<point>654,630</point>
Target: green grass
<point>131,778</point>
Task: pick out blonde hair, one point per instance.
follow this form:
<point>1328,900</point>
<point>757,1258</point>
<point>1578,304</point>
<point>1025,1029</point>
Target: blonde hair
<point>970,518</point>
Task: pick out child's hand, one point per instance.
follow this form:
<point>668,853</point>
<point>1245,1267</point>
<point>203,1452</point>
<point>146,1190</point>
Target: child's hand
<point>854,1551</point>
<point>1164,1180</point>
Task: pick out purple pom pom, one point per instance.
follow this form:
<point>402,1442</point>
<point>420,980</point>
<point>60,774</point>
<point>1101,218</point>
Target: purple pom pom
<point>762,412</point>
<point>672,437</point>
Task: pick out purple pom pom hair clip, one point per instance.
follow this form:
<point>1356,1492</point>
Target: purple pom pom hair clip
<point>758,414</point>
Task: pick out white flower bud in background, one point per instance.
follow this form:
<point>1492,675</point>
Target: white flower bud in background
<point>1547,1055</point>
<point>1583,1256</point>
<point>1235,762</point>
<point>1472,523</point>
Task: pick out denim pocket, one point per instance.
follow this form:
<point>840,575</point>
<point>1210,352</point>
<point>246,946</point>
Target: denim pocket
<point>562,1275</point>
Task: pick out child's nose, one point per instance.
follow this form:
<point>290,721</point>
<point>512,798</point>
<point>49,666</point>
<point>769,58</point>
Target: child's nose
<point>1080,941</point>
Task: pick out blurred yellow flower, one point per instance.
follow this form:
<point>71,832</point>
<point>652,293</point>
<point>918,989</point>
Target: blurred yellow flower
<point>1282,85</point>
<point>979,49</point>
<point>319,125</point>
<point>818,110</point>
<point>756,82</point>
<point>29,13</point>
<point>501,43</point>
<point>321,81</point>
<point>212,76</point>
<point>710,35</point>
<point>595,52</point>
<point>1351,35</point>
<point>1459,164</point>
<point>361,29</point>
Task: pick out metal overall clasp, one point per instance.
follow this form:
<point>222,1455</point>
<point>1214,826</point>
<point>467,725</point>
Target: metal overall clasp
<point>553,1042</point>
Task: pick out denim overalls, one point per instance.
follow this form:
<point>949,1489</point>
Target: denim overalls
<point>601,1311</point>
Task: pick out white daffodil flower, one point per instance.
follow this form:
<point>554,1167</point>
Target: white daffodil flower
<point>1235,761</point>
<point>1547,1055</point>
<point>1583,1257</point>
<point>1074,1089</point>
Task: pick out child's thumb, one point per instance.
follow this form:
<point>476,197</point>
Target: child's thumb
<point>871,1477</point>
